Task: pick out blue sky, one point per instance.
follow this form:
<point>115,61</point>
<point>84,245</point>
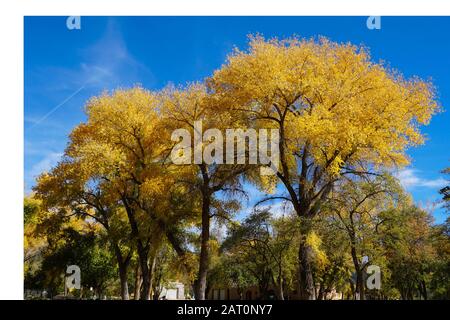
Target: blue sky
<point>64,68</point>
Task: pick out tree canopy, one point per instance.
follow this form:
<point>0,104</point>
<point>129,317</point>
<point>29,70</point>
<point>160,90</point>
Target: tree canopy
<point>142,220</point>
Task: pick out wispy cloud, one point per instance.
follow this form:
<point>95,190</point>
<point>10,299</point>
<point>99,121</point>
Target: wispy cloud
<point>45,164</point>
<point>410,178</point>
<point>108,62</point>
<point>104,65</point>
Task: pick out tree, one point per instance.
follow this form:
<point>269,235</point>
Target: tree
<point>440,281</point>
<point>166,268</point>
<point>231,272</point>
<point>68,186</point>
<point>264,245</point>
<point>407,238</point>
<point>86,250</point>
<point>343,120</point>
<point>356,205</point>
<point>333,266</point>
<point>182,109</point>
<point>33,244</point>
<point>338,114</point>
<point>55,239</point>
<point>120,148</point>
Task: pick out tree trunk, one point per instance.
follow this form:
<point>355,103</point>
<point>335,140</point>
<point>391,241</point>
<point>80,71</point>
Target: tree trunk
<point>123,272</point>
<point>320,296</point>
<point>137,283</point>
<point>280,288</point>
<point>141,250</point>
<point>359,286</point>
<point>123,275</point>
<point>143,261</point>
<point>423,290</point>
<point>204,249</point>
<point>305,255</point>
<point>307,290</point>
<point>145,287</point>
<point>240,292</point>
<point>152,264</point>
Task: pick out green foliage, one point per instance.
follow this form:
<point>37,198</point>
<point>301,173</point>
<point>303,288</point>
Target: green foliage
<point>264,246</point>
<point>408,243</point>
<point>83,249</point>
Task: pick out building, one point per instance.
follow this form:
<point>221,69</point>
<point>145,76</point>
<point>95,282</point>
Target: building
<point>173,291</point>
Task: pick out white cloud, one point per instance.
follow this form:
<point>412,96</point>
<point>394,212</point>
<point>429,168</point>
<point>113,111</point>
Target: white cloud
<point>105,65</point>
<point>45,164</point>
<point>409,178</point>
<point>108,63</point>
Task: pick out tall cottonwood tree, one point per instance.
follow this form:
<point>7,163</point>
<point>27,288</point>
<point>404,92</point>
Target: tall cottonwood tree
<point>183,108</point>
<point>334,107</point>
<point>121,144</point>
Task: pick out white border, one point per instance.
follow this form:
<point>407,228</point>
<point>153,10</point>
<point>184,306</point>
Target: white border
<point>11,73</point>
<point>236,7</point>
<point>11,160</point>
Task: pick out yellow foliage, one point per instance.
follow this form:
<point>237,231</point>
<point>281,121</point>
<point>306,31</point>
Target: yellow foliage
<point>314,242</point>
<point>327,96</point>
